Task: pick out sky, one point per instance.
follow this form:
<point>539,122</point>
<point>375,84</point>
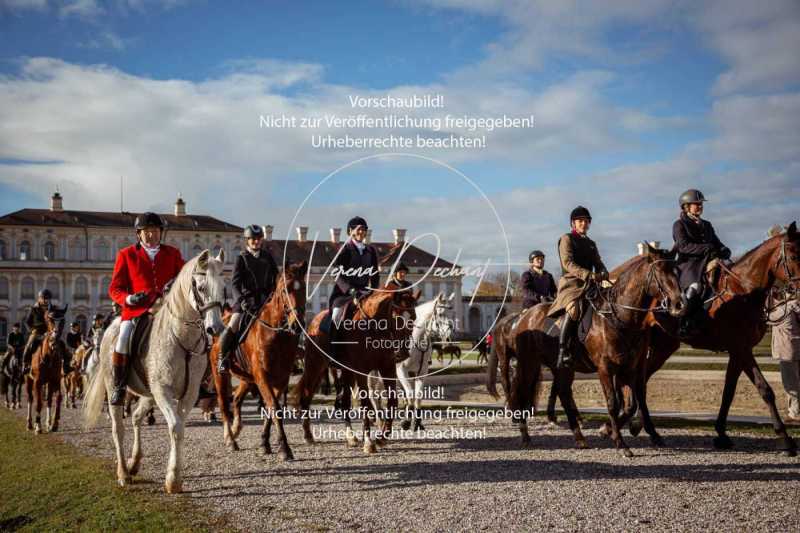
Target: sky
<point>633,102</point>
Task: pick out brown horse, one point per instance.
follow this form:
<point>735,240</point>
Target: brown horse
<point>46,372</point>
<point>73,380</point>
<point>737,323</point>
<point>269,352</point>
<point>615,346</point>
<point>378,318</point>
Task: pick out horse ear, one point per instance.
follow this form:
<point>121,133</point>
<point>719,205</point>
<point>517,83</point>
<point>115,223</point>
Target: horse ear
<point>452,295</point>
<point>221,255</point>
<point>202,259</point>
<point>792,229</point>
<point>648,250</point>
<point>302,268</point>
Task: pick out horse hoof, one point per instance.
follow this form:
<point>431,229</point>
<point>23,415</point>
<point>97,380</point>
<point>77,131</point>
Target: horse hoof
<point>604,431</point>
<point>232,446</point>
<point>627,453</point>
<point>173,488</point>
<point>286,456</point>
<point>369,447</point>
<point>54,428</point>
<point>352,442</point>
<point>656,440</point>
<point>37,430</point>
<point>133,468</point>
<point>151,420</point>
<point>635,427</point>
<point>723,442</point>
<point>582,444</point>
<point>265,451</point>
<point>552,424</point>
<point>406,425</point>
<point>308,439</point>
<point>789,453</point>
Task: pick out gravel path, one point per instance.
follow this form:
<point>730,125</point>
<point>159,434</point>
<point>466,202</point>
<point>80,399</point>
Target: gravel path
<point>485,483</point>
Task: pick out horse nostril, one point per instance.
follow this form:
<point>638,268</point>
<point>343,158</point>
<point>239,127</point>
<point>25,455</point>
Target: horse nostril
<point>210,331</point>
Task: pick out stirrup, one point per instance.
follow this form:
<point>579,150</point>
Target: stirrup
<point>223,365</point>
<point>564,359</point>
<point>118,395</point>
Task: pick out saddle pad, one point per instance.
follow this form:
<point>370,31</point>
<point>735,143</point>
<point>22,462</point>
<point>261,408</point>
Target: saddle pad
<point>138,343</point>
<point>552,327</point>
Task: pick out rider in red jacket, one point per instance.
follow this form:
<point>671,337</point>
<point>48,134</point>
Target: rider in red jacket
<point>140,274</point>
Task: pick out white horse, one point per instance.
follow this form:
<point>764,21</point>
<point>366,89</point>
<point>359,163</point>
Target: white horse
<point>431,320</point>
<point>174,362</point>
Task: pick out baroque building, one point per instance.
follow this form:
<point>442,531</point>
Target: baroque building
<point>72,253</point>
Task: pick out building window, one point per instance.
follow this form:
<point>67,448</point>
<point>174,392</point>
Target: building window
<point>236,251</point>
<point>81,289</point>
<point>3,288</point>
<point>217,248</point>
<point>81,319</point>
<point>3,330</point>
<point>196,250</point>
<point>104,284</point>
<point>3,250</point>
<point>27,288</point>
<point>49,250</point>
<point>102,250</point>
<point>77,250</point>
<point>54,286</point>
<point>24,250</point>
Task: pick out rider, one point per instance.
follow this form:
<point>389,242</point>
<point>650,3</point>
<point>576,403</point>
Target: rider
<point>37,325</point>
<point>580,264</point>
<point>140,274</point>
<point>356,270</point>
<point>95,337</point>
<point>74,339</point>
<point>399,277</point>
<point>697,244</point>
<point>254,279</point>
<point>16,339</point>
<point>536,284</point>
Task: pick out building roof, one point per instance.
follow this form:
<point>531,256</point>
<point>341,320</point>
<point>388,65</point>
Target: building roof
<point>68,218</point>
<point>325,251</point>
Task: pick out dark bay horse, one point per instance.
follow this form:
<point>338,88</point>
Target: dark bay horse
<point>45,373</point>
<point>615,346</point>
<point>270,350</point>
<point>382,323</point>
<point>11,378</point>
<point>737,323</point>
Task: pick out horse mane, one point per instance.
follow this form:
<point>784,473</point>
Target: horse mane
<point>749,253</point>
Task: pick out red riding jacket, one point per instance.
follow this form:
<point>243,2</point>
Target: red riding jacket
<point>134,272</point>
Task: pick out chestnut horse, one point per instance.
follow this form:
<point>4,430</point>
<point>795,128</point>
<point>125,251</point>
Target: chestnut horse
<point>615,346</point>
<point>270,350</point>
<point>385,317</point>
<point>46,372</point>
<point>737,323</point>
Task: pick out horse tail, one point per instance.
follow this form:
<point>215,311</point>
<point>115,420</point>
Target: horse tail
<point>491,369</point>
<point>95,394</point>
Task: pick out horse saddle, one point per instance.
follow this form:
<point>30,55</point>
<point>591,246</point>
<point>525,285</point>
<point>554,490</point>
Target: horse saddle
<point>138,343</point>
<point>554,325</point>
<point>348,310</point>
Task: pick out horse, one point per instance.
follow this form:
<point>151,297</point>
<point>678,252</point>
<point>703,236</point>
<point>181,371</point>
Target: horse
<point>447,348</point>
<point>383,317</point>
<point>737,322</point>
<point>46,372</point>
<point>171,364</point>
<point>431,321</point>
<point>268,356</point>
<point>73,380</point>
<point>12,378</point>
<point>615,346</point>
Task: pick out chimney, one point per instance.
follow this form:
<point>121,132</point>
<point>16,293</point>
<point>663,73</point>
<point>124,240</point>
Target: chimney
<point>336,233</point>
<point>180,207</point>
<point>399,235</point>
<point>268,233</point>
<point>55,202</point>
<point>302,233</point>
<point>368,238</point>
<point>653,244</point>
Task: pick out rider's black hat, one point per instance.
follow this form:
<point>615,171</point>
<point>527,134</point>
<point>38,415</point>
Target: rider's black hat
<point>149,219</point>
<point>355,222</point>
<point>580,212</point>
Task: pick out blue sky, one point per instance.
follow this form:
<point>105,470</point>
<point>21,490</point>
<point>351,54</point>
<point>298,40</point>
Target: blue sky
<point>634,102</point>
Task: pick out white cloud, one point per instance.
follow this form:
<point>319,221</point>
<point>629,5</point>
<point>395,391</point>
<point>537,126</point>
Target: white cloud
<point>37,5</point>
<point>81,8</point>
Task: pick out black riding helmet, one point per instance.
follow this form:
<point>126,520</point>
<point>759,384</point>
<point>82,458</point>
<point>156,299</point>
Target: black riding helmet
<point>253,231</point>
<point>99,316</point>
<point>401,268</point>
<point>45,294</point>
<point>149,219</point>
<point>580,212</point>
<point>692,196</point>
<point>535,254</point>
<point>74,325</point>
<point>355,222</point>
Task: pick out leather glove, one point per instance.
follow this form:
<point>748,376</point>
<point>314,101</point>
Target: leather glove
<point>724,252</point>
<point>136,299</point>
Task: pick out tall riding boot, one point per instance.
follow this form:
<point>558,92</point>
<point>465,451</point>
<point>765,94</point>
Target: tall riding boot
<point>690,320</point>
<point>227,343</point>
<point>27,354</point>
<point>119,370</point>
<point>564,341</point>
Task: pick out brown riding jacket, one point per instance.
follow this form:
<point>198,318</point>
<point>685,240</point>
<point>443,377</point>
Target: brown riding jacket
<point>579,258</point>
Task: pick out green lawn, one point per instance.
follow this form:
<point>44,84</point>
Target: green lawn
<point>46,485</point>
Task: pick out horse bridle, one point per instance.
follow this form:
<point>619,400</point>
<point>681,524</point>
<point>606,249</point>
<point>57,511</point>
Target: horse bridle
<point>288,311</point>
<point>662,307</point>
